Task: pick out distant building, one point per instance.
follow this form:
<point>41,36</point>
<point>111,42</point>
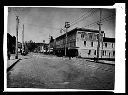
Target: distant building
<point>41,47</point>
<point>83,42</point>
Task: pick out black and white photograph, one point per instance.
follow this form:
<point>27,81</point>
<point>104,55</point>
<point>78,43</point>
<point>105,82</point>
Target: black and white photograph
<point>61,48</point>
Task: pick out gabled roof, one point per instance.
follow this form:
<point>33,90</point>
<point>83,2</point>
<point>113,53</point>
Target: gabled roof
<point>106,39</point>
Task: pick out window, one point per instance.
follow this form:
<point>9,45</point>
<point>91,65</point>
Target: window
<point>82,35</point>
<point>91,44</point>
<point>105,44</point>
<point>95,52</point>
<point>112,45</point>
<point>113,53</point>
<point>103,53</point>
<point>89,52</point>
<point>85,43</point>
<point>97,36</point>
<point>90,36</point>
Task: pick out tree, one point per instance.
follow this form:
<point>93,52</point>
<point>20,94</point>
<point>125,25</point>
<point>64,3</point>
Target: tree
<point>31,46</point>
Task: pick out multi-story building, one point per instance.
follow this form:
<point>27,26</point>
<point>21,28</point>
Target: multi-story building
<point>84,43</point>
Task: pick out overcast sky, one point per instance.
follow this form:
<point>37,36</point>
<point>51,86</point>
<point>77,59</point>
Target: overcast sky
<point>41,22</point>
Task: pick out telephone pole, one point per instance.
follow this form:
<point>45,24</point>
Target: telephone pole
<point>67,25</point>
<point>49,43</point>
<point>17,24</point>
<point>99,36</point>
<point>23,40</point>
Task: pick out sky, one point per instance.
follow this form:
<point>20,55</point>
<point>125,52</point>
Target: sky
<point>40,22</point>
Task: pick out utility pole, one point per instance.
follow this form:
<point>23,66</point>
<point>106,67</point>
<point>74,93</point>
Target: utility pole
<point>17,23</point>
<point>23,40</point>
<point>67,25</point>
<point>98,47</point>
<point>49,42</point>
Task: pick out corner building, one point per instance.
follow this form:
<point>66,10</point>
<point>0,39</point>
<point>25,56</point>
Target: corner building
<point>84,43</point>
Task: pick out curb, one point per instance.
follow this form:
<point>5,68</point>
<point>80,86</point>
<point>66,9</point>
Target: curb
<point>10,67</point>
<point>101,62</point>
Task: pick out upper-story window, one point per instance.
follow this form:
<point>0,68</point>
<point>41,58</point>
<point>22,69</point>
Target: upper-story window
<point>103,52</point>
<point>97,37</point>
<point>91,44</point>
<point>112,45</point>
<point>90,36</point>
<point>95,52</point>
<point>82,35</point>
<point>85,43</point>
<point>105,44</point>
<point>113,53</point>
<point>89,52</point>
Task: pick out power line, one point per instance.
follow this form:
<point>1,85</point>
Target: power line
<point>79,19</point>
<point>81,16</point>
<point>92,12</point>
<point>41,26</point>
<point>102,20</point>
<point>85,17</point>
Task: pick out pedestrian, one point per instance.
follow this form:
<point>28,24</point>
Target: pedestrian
<point>9,55</point>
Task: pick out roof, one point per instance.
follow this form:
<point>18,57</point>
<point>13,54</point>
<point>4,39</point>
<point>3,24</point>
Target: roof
<point>88,30</point>
<point>106,39</point>
<point>79,29</point>
<point>68,33</point>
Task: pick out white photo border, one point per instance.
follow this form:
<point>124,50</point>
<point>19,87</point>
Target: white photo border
<point>120,40</point>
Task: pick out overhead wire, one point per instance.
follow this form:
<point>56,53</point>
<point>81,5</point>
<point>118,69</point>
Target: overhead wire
<point>81,16</point>
<point>91,14</point>
<point>41,26</point>
<point>102,20</point>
